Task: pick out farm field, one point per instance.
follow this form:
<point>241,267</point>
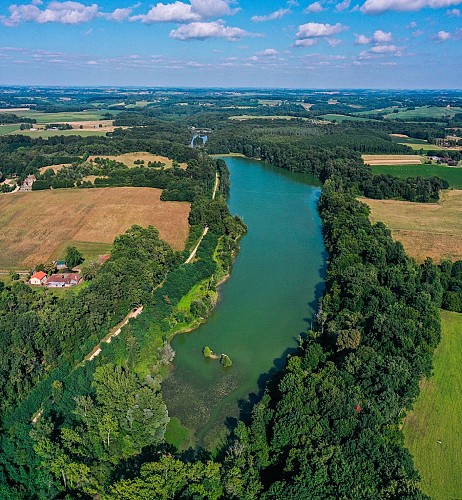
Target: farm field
<point>64,117</point>
<point>451,174</point>
<point>425,112</point>
<point>45,134</point>
<point>7,129</point>
<point>425,229</point>
<point>36,227</point>
<point>392,159</point>
<point>415,144</point>
<point>341,118</point>
<point>130,158</point>
<point>266,117</point>
<point>433,429</point>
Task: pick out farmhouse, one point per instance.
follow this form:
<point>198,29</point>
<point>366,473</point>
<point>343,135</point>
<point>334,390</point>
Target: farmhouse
<point>62,280</point>
<point>38,278</point>
<point>27,184</point>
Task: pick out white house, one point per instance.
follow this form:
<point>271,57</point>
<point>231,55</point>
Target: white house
<point>38,278</point>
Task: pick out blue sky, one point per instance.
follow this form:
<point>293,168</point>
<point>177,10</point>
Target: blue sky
<point>229,43</point>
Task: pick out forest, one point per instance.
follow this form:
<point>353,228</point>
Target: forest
<point>327,426</point>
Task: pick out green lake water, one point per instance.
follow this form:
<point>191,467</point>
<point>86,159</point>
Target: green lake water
<point>268,301</point>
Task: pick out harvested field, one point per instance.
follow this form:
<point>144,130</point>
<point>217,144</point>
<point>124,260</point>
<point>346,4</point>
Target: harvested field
<point>392,159</point>
<point>130,158</point>
<point>425,229</point>
<point>55,168</point>
<point>37,226</point>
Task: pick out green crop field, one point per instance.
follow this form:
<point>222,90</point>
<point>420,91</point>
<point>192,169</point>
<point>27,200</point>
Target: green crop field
<point>451,174</point>
<point>425,112</point>
<point>416,144</point>
<point>77,116</point>
<point>341,118</point>
<point>6,129</point>
<point>45,134</point>
<point>433,430</point>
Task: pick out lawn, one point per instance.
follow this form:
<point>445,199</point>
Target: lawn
<point>451,174</point>
<point>433,429</point>
<point>36,227</point>
<point>425,229</point>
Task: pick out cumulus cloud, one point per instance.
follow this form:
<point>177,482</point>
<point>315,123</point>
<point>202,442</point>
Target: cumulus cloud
<point>379,6</point>
<point>180,12</point>
<point>271,17</point>
<point>308,34</point>
<point>453,13</point>
<point>379,36</point>
<point>203,31</point>
<point>121,14</point>
<point>267,52</point>
<point>381,50</point>
<point>333,42</point>
<point>55,12</point>
<point>444,36</point>
<point>342,5</point>
<point>314,8</point>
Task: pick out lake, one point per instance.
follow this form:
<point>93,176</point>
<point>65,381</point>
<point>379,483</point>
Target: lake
<point>267,303</point>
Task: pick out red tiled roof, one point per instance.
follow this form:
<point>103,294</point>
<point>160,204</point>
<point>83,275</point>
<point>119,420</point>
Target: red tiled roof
<point>39,275</point>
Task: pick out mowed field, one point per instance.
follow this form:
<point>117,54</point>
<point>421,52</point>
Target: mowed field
<point>433,430</point>
<point>425,229</point>
<point>130,158</point>
<point>451,174</point>
<point>392,159</point>
<point>64,117</point>
<point>415,144</point>
<point>36,227</point>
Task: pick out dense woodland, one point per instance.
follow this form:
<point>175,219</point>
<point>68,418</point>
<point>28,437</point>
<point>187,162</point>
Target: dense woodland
<point>328,425</point>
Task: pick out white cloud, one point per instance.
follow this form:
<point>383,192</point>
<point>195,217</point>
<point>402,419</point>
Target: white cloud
<point>271,17</point>
<point>379,6</point>
<point>180,12</point>
<point>310,30</point>
<point>333,42</point>
<point>442,36</point>
<point>120,14</point>
<point>362,40</point>
<point>382,36</point>
<point>202,31</point>
<point>314,8</point>
<point>55,12</point>
<point>384,49</point>
<point>306,42</point>
<point>411,25</point>
<point>453,13</point>
<point>267,52</point>
<point>342,5</point>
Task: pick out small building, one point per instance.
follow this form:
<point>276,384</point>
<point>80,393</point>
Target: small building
<point>60,264</point>
<point>63,280</point>
<point>73,279</point>
<point>38,278</point>
<point>28,182</point>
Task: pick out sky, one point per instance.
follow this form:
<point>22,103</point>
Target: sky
<point>396,44</point>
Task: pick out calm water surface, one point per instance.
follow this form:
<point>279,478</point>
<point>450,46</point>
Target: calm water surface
<point>266,304</point>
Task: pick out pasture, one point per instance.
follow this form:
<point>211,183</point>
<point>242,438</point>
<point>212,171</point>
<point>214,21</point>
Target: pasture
<point>63,117</point>
<point>433,429</point>
<point>392,159</point>
<point>415,144</point>
<point>451,174</point>
<point>130,158</point>
<point>266,117</point>
<point>36,227</point>
<point>425,229</point>
<point>424,112</point>
<point>45,134</point>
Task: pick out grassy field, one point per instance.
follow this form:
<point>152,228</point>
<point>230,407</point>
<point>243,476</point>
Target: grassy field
<point>451,174</point>
<point>36,227</point>
<point>265,117</point>
<point>393,159</point>
<point>45,134</point>
<point>425,229</point>
<point>7,129</point>
<point>65,117</point>
<point>425,112</point>
<point>433,430</point>
<point>416,144</point>
<point>130,158</point>
<point>341,118</point>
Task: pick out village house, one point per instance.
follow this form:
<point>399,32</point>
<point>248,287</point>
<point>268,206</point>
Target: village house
<point>28,182</point>
<point>63,280</point>
<point>38,278</point>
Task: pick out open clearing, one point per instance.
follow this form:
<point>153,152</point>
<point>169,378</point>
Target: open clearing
<point>130,158</point>
<point>451,174</point>
<point>424,112</point>
<point>415,144</point>
<point>433,430</point>
<point>425,229</point>
<point>7,129</point>
<point>37,226</point>
<point>45,134</point>
<point>392,159</point>
<point>64,117</point>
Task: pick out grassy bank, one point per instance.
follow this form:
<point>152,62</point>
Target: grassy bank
<point>451,174</point>
<point>433,430</point>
